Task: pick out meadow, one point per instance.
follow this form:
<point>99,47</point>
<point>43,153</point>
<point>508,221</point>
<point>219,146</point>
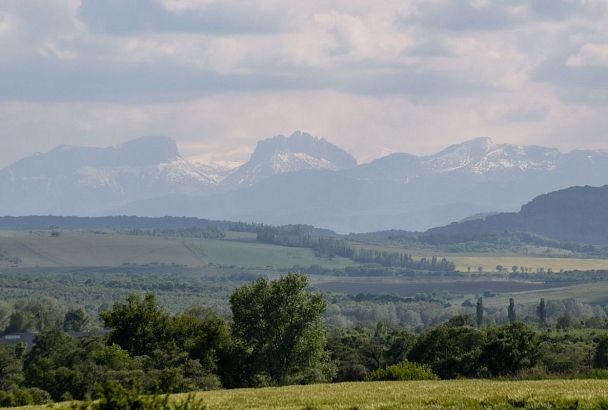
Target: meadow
<point>459,394</point>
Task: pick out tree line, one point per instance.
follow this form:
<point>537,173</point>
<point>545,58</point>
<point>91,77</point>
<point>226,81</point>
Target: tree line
<point>302,237</point>
<point>275,336</point>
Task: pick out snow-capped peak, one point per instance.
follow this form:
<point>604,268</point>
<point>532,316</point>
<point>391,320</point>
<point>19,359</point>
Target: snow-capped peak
<point>482,155</point>
<point>297,152</point>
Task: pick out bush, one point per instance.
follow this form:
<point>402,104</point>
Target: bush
<point>23,397</point>
<point>402,371</point>
<point>114,397</point>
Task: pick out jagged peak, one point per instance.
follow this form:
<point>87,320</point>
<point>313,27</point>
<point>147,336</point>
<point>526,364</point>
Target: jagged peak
<point>305,143</point>
<point>479,145</point>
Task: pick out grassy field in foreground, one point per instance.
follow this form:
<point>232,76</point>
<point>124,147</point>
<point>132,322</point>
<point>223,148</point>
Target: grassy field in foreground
<point>465,394</point>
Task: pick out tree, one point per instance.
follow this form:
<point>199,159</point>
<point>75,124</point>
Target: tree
<point>76,320</point>
<point>564,322</point>
<point>479,312</point>
<point>202,334</point>
<point>11,368</point>
<point>510,349</point>
<point>541,312</point>
<point>138,326</point>
<point>600,359</point>
<point>514,268</point>
<point>280,325</point>
<point>449,351</point>
<point>511,313</point>
<point>49,364</point>
<point>6,310</point>
<point>499,268</point>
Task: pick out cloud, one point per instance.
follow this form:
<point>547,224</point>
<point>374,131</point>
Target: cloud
<point>414,75</point>
<point>129,17</point>
<point>590,55</point>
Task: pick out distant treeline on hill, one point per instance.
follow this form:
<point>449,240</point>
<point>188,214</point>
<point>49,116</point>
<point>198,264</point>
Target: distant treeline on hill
<point>109,222</point>
<point>135,223</point>
<point>300,236</point>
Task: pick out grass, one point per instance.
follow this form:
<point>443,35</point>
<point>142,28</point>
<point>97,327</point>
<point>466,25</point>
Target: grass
<point>88,249</point>
<point>461,394</point>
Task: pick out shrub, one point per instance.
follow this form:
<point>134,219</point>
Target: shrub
<point>23,397</point>
<point>115,397</point>
<point>402,371</point>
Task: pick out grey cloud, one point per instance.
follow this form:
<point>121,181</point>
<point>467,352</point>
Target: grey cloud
<point>587,85</point>
<point>127,17</point>
<point>459,15</point>
<point>528,114</point>
<point>464,15</point>
<point>36,78</point>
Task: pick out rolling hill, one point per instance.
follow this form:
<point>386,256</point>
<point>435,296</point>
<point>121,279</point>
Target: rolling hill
<point>576,214</point>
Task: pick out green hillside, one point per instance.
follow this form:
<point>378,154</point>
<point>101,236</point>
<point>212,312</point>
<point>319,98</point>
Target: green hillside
<point>87,249</point>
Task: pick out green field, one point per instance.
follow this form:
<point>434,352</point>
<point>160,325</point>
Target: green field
<point>462,394</point>
<point>88,249</point>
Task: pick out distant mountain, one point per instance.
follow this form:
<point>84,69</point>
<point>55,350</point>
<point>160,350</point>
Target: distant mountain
<point>296,179</point>
<point>280,155</point>
<point>89,181</point>
<point>577,214</point>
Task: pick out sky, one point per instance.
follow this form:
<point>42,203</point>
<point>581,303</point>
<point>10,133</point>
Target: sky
<point>373,77</point>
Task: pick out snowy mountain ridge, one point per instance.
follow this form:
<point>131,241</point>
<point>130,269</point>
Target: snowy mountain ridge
<point>295,179</point>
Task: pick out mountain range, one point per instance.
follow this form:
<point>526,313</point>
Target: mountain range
<point>295,179</point>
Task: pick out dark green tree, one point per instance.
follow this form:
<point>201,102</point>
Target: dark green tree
<point>479,312</point>
<point>279,323</point>
<point>449,351</point>
<point>600,358</point>
<point>564,322</point>
<point>49,365</point>
<point>138,326</point>
<point>75,320</point>
<point>541,312</point>
<point>511,312</point>
<point>11,368</point>
<point>510,349</point>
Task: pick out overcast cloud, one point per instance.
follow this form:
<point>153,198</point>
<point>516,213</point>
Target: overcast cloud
<point>374,77</point>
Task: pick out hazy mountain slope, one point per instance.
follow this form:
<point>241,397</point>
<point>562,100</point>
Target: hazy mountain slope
<point>89,181</point>
<point>578,214</point>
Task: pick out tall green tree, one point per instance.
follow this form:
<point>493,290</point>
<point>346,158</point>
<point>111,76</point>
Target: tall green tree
<point>600,358</point>
<point>511,312</point>
<point>479,312</point>
<point>279,323</point>
<point>138,326</point>
<point>541,312</point>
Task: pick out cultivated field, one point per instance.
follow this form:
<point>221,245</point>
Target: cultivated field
<point>464,394</point>
<point>88,249</point>
<point>489,263</point>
